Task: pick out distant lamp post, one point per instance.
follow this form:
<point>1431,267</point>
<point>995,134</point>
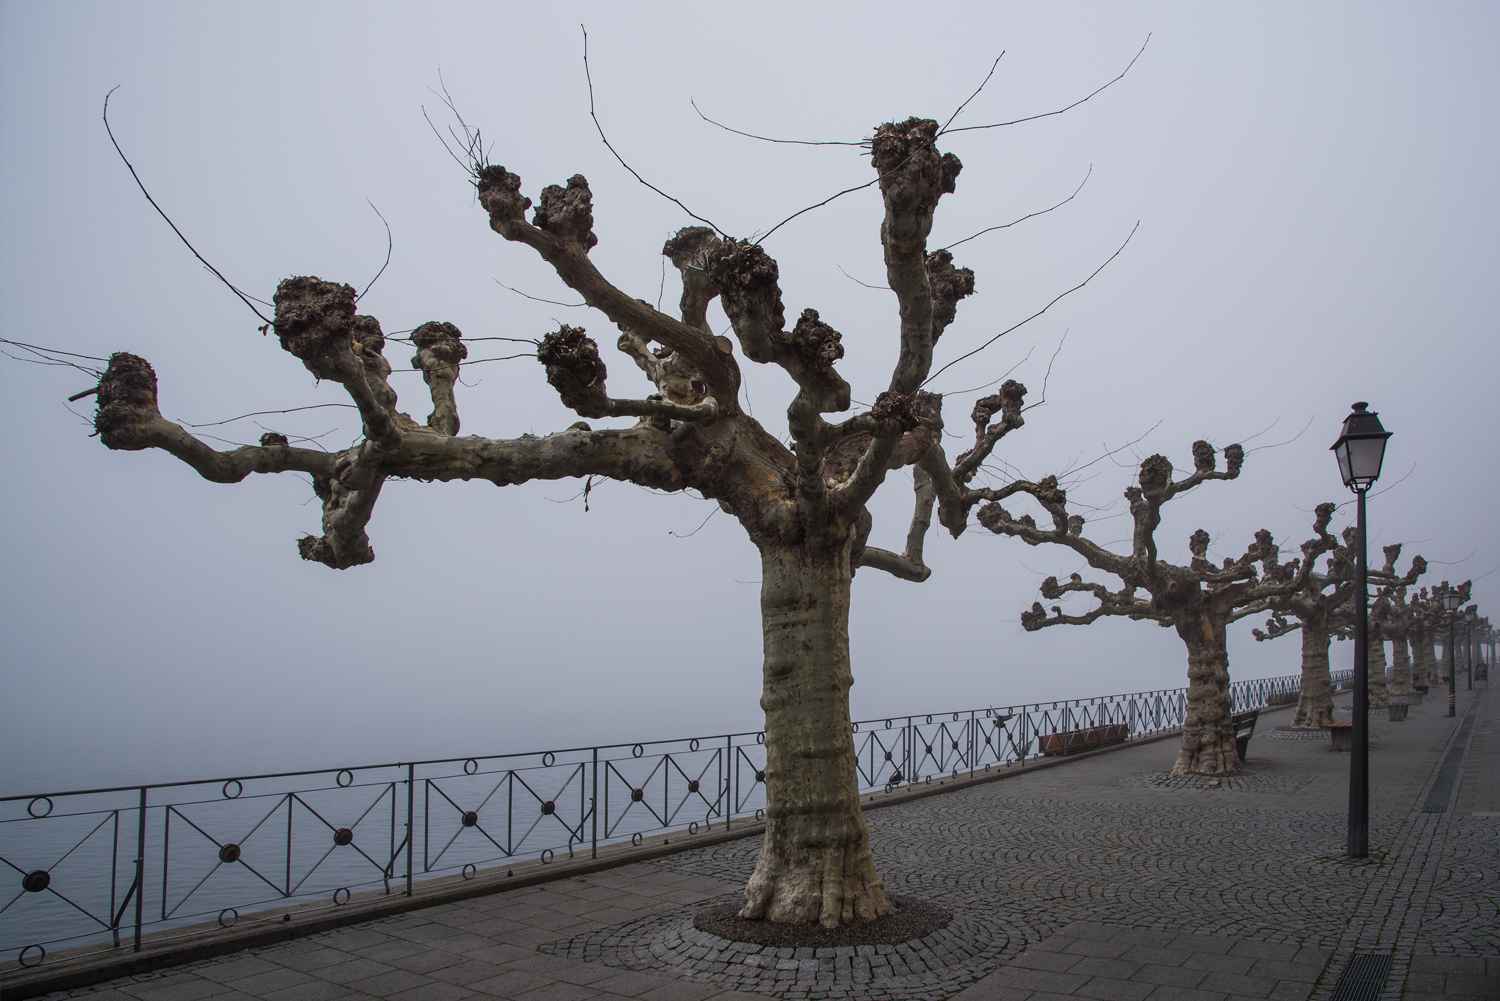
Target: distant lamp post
<point>1470,615</point>
<point>1360,451</point>
<point>1451,600</point>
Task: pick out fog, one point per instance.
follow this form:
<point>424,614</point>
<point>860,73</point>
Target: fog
<point>1314,187</point>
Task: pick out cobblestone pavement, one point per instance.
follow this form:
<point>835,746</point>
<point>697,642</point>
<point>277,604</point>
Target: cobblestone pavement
<point>1097,879</point>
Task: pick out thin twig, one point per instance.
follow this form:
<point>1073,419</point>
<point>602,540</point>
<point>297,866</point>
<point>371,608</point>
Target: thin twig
<point>825,201</point>
<point>1049,114</point>
<point>768,139</point>
<point>243,297</point>
<point>971,97</point>
<point>1129,444</point>
<point>265,413</point>
<point>1293,438</point>
<point>51,351</point>
<point>1048,376</point>
<point>390,245</point>
<point>1002,378</point>
<point>1029,215</point>
<point>638,177</point>
<point>710,514</point>
<point>1039,312</point>
<point>552,302</point>
<point>881,288</point>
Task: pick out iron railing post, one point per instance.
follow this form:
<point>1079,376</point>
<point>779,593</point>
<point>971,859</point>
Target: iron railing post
<point>140,871</point>
<point>594,808</point>
<point>411,830</point>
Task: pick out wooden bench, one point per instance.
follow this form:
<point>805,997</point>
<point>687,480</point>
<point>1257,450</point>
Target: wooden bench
<point>1244,729</point>
<point>1086,739</point>
<point>1342,734</point>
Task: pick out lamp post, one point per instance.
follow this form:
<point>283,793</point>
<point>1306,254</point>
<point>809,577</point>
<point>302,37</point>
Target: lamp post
<point>1360,450</point>
<point>1451,600</point>
<point>1470,614</point>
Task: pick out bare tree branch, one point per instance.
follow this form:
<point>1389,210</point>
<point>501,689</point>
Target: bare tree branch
<point>243,297</point>
<point>1059,111</point>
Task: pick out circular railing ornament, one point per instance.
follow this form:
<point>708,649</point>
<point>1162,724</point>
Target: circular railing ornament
<point>345,778</point>
<point>229,853</point>
<point>470,818</point>
<point>340,901</point>
<point>471,766</point>
<point>692,785</point>
<point>760,776</point>
<point>693,744</point>
<point>36,881</point>
<point>227,917</point>
<point>31,808</point>
<point>760,815</point>
<point>693,827</point>
<point>549,759</point>
<point>637,751</point>
<point>469,870</point>
<point>636,795</point>
<point>546,856</point>
<point>238,787</point>
<point>23,959</point>
<point>343,836</point>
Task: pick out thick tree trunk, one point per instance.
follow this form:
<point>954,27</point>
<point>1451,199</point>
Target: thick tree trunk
<point>1426,660</point>
<point>815,864</point>
<point>1208,746</point>
<point>1315,706</point>
<point>1400,667</point>
<point>1379,696</point>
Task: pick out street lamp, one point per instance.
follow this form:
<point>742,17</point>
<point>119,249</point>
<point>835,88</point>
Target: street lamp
<point>1360,450</point>
<point>1470,615</point>
<point>1451,600</point>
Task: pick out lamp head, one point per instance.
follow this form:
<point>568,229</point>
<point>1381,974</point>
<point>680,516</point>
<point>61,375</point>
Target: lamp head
<point>1360,449</point>
<point>1451,600</point>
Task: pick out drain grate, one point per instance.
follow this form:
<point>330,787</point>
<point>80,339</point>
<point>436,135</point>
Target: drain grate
<point>1437,800</point>
<point>1363,979</point>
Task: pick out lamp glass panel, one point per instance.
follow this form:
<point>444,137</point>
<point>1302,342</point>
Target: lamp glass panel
<point>1365,457</point>
<point>1341,450</point>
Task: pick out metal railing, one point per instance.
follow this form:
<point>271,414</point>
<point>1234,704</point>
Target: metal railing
<point>84,870</point>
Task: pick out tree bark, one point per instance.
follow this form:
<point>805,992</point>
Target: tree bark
<point>1400,667</point>
<point>1378,693</point>
<point>1427,667</point>
<point>815,864</point>
<point>1315,706</point>
<point>1208,746</point>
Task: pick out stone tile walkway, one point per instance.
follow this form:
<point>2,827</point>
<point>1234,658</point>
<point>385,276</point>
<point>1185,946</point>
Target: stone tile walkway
<point>1097,879</point>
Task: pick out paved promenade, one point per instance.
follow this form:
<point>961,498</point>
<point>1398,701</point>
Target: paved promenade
<point>1096,879</point>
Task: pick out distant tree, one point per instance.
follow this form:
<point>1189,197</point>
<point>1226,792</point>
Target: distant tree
<point>1395,615</point>
<point>804,505</point>
<point>1323,608</point>
<point>1196,598</point>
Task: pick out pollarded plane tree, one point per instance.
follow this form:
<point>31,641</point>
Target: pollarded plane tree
<point>1322,609</point>
<point>1394,616</point>
<point>803,505</point>
<point>1197,598</point>
<point>1429,627</point>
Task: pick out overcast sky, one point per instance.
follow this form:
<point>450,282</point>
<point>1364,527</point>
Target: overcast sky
<point>1318,221</point>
